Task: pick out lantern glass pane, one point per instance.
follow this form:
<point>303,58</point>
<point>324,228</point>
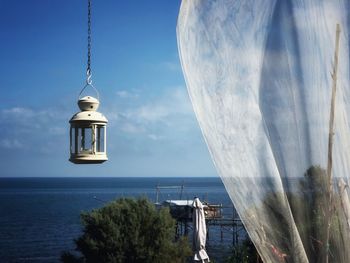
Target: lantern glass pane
<point>79,139</point>
<point>100,138</point>
<point>86,140</point>
<point>72,140</point>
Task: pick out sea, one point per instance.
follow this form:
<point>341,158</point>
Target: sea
<point>40,217</point>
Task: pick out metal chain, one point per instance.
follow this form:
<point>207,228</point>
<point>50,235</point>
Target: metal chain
<point>88,70</point>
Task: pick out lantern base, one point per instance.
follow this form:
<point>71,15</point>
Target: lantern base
<point>88,159</point>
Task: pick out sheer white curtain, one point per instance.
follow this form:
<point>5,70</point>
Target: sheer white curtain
<point>259,77</point>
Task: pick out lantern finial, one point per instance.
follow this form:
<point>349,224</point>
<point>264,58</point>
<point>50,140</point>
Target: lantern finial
<point>88,103</point>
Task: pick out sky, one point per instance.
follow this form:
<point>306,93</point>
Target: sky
<point>152,129</point>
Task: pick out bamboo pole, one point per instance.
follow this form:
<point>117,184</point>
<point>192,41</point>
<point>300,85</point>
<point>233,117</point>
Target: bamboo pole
<point>330,144</point>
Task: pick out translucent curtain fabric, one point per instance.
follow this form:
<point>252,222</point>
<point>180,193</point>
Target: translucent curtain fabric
<point>259,77</point>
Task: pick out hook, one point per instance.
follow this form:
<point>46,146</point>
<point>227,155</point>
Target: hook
<point>89,83</point>
<point>88,77</point>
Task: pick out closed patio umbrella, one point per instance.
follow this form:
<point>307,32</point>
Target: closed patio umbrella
<point>199,232</point>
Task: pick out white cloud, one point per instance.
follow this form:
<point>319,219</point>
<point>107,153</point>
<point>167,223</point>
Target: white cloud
<point>135,116</point>
<point>131,128</point>
<point>155,137</point>
<point>172,103</point>
<point>30,116</point>
<point>30,129</point>
<point>57,130</point>
<point>153,116</point>
<point>151,113</point>
<point>17,112</point>
<point>126,94</point>
<point>172,66</point>
<point>10,144</point>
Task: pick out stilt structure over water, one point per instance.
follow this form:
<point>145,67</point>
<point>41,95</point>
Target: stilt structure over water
<point>223,223</point>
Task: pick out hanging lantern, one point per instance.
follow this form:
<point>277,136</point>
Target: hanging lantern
<point>88,127</point>
<point>88,133</point>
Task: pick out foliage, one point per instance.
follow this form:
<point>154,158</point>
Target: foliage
<point>316,208</point>
<point>322,209</point>
<point>244,252</point>
<point>129,230</point>
<point>316,204</point>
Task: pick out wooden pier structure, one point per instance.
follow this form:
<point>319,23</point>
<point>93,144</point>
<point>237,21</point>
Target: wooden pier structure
<point>222,221</point>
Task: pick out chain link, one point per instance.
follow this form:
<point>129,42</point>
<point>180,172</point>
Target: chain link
<point>88,70</point>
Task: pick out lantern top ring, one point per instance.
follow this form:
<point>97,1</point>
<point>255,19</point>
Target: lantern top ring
<point>92,86</point>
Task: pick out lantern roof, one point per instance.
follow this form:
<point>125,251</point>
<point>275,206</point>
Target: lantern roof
<point>88,116</point>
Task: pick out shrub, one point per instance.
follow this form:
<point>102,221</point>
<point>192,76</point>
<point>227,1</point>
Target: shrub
<point>129,230</point>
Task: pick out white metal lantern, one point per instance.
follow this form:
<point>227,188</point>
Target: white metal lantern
<point>88,133</point>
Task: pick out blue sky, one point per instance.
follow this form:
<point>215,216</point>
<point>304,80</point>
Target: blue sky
<point>152,129</point>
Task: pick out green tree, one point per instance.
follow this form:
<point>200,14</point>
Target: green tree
<point>244,252</point>
<point>129,230</point>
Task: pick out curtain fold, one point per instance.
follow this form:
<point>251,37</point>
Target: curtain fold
<point>259,77</point>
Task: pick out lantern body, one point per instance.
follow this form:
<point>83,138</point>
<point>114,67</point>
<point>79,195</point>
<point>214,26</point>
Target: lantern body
<point>88,133</point>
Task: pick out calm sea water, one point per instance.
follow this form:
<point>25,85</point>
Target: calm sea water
<point>40,217</point>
